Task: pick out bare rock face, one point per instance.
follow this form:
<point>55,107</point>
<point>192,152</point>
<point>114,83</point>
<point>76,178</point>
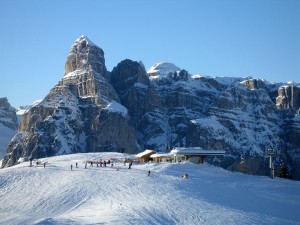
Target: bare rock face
<point>8,117</point>
<point>288,97</point>
<point>84,55</point>
<point>139,95</point>
<point>8,124</point>
<point>111,130</point>
<point>254,84</point>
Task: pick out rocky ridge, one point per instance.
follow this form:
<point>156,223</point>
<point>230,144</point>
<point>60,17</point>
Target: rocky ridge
<point>8,124</point>
<point>130,109</point>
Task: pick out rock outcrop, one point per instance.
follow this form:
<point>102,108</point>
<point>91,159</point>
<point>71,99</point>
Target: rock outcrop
<point>288,97</point>
<point>130,109</point>
<point>8,116</point>
<point>8,124</point>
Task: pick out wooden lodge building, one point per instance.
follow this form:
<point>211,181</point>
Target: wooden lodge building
<point>192,154</point>
<point>145,155</point>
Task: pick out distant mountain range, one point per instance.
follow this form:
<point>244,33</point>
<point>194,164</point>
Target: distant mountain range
<point>130,109</point>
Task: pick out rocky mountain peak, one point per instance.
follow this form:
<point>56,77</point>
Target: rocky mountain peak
<point>4,102</point>
<point>85,55</point>
<point>84,39</point>
<point>126,74</point>
<point>8,117</point>
<point>8,125</point>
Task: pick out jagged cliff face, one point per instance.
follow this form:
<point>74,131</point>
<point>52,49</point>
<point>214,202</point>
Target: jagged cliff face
<point>8,124</point>
<point>288,97</point>
<point>131,109</point>
<point>80,114</point>
<point>8,116</point>
<point>288,101</point>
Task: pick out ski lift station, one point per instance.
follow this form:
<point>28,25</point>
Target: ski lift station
<point>192,154</point>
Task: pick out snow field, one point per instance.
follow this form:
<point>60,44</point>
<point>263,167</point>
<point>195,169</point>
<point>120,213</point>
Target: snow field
<point>105,195</point>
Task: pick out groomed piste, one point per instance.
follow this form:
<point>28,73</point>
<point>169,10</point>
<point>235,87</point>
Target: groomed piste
<point>118,195</point>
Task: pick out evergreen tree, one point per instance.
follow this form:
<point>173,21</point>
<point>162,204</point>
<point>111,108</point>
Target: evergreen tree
<point>283,171</point>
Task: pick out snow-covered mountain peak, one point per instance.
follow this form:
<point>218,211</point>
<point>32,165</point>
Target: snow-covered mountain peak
<point>162,69</point>
<point>84,39</point>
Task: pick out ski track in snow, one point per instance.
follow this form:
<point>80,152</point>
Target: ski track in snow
<point>103,195</point>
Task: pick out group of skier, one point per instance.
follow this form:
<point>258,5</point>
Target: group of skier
<point>105,163</point>
<point>101,163</point>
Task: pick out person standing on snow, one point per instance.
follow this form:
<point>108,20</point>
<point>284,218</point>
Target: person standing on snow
<point>76,164</point>
<point>149,173</point>
<point>71,167</point>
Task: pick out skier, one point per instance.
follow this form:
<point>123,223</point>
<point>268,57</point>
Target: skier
<point>185,176</point>
<point>130,164</point>
<point>104,163</point>
<point>71,167</point>
<point>85,165</point>
<point>149,173</point>
<point>44,164</point>
<point>76,164</point>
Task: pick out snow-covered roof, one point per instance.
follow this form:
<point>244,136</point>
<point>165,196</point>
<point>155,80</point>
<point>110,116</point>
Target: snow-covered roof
<point>156,155</point>
<point>196,151</point>
<point>144,153</point>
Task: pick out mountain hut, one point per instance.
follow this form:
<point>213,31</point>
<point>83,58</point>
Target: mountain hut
<point>145,155</point>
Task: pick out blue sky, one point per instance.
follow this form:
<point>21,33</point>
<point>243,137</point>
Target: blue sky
<point>258,38</point>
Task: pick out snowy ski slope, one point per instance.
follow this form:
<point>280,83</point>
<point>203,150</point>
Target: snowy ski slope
<point>98,195</point>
